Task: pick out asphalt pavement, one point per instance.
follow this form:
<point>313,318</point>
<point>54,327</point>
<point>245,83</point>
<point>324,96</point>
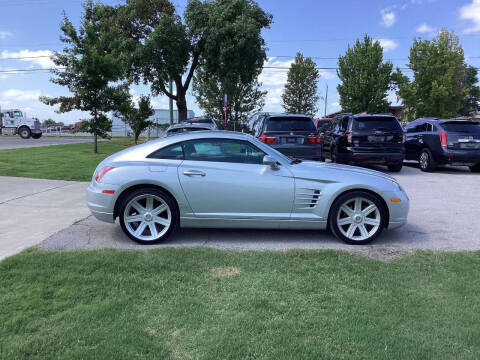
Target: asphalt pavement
<point>18,142</point>
<point>443,216</point>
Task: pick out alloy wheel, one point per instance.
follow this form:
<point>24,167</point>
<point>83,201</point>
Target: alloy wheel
<point>358,219</point>
<point>424,160</point>
<point>147,217</point>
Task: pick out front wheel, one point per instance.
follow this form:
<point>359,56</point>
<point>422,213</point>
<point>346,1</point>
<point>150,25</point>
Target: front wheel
<point>426,161</point>
<point>475,168</point>
<point>24,132</point>
<point>357,218</point>
<point>148,216</point>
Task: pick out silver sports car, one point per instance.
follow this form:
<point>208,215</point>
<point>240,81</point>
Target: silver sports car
<point>220,179</point>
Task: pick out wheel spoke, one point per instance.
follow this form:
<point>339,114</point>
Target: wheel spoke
<point>153,230</point>
<point>141,228</point>
<point>345,221</point>
<point>159,209</point>
<point>363,230</point>
<point>373,222</point>
<point>351,230</point>
<point>134,218</point>
<point>358,205</point>
<point>347,210</point>
<point>149,205</point>
<point>161,221</point>
<point>369,210</point>
<point>140,209</point>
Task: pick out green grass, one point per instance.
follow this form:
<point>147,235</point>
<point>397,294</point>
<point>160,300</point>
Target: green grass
<point>61,162</point>
<point>174,304</point>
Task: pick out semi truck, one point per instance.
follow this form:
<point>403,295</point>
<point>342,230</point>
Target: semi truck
<point>14,121</point>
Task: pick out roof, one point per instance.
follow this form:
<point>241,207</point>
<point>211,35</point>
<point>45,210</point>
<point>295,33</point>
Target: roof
<point>376,115</point>
<point>289,115</point>
<point>190,125</point>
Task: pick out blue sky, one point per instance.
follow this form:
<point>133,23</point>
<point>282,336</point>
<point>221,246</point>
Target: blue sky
<point>320,29</point>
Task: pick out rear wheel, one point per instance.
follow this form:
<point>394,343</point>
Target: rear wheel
<point>148,216</point>
<point>475,168</point>
<point>357,218</point>
<point>426,161</point>
<point>24,132</point>
<point>396,167</point>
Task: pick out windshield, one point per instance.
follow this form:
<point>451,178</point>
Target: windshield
<point>17,114</point>
<point>462,127</point>
<point>376,123</point>
<point>321,125</point>
<point>290,123</point>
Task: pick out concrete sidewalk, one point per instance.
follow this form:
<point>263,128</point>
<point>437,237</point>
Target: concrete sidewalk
<point>32,210</point>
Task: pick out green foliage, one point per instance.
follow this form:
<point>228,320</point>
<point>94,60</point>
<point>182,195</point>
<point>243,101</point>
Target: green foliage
<point>224,34</point>
<point>137,118</point>
<point>365,78</point>
<point>243,98</point>
<point>438,87</point>
<point>471,103</point>
<point>91,69</point>
<point>300,93</point>
<point>208,304</point>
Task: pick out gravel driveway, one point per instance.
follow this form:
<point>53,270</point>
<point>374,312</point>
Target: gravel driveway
<point>443,216</point>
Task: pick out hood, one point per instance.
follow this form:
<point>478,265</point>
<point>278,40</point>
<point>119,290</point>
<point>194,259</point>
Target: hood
<point>308,168</point>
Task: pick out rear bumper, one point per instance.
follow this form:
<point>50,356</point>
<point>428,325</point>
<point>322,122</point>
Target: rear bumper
<point>354,157</point>
<point>306,152</point>
<point>101,205</point>
<point>460,157</point>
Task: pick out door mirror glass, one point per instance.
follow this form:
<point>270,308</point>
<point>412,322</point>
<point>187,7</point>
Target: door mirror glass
<point>270,161</point>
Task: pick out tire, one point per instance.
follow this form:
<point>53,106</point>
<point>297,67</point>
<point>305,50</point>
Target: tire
<point>24,132</point>
<point>143,231</point>
<point>362,223</point>
<point>334,156</point>
<point>426,161</point>
<point>475,168</point>
<point>36,136</point>
<point>396,167</point>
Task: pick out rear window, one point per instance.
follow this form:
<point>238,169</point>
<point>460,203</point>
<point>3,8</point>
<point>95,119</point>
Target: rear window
<point>321,125</point>
<point>376,124</point>
<point>200,121</point>
<point>185,129</point>
<point>462,127</point>
<point>290,123</point>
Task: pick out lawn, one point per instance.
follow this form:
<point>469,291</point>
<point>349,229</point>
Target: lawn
<point>208,304</point>
<point>61,162</point>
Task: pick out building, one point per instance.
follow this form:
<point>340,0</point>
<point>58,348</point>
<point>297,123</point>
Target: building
<point>161,117</point>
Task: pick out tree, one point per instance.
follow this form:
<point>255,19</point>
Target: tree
<point>224,34</point>
<point>365,78</point>
<point>48,123</point>
<point>243,99</point>
<point>137,118</point>
<point>91,70</point>
<point>300,92</point>
<point>471,103</point>
<point>438,86</point>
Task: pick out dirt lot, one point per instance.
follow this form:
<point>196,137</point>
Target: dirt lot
<point>443,216</point>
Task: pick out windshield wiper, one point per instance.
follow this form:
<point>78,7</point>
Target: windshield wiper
<point>295,161</point>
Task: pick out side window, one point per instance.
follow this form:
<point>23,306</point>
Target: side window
<point>344,124</point>
<point>222,150</point>
<point>421,128</point>
<point>411,129</point>
<point>172,152</point>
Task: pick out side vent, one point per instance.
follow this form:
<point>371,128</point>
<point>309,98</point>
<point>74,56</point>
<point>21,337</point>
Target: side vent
<point>306,198</point>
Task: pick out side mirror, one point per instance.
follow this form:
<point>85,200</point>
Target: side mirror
<point>270,161</point>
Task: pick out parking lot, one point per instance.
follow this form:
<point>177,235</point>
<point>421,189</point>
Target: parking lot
<point>443,216</point>
<point>17,142</point>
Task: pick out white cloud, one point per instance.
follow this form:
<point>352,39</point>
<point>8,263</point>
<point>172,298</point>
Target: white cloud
<point>20,95</point>
<point>388,44</point>
<point>5,34</point>
<point>425,29</point>
<point>40,57</point>
<point>388,17</point>
<point>471,12</point>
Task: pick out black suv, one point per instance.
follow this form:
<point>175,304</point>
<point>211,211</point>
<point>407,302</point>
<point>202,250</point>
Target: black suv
<point>434,142</point>
<point>364,139</point>
<point>294,135</point>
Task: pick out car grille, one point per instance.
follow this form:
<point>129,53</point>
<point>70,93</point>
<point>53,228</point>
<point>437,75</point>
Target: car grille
<point>306,198</point>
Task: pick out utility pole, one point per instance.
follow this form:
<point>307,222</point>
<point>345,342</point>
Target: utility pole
<point>326,100</point>
<point>170,101</point>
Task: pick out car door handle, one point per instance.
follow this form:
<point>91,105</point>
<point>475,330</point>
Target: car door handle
<point>194,173</point>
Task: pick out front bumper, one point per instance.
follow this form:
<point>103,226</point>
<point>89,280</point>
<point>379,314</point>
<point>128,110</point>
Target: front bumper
<point>100,204</point>
<point>306,152</point>
<point>398,211</point>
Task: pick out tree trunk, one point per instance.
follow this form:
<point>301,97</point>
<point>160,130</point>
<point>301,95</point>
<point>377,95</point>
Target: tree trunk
<point>181,106</point>
<point>95,144</point>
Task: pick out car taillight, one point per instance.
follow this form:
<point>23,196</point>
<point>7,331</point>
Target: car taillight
<point>443,138</point>
<point>102,173</point>
<point>348,136</point>
<point>314,139</point>
<point>266,139</point>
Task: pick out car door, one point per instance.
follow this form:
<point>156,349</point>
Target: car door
<point>411,139</point>
<point>327,136</point>
<point>224,178</point>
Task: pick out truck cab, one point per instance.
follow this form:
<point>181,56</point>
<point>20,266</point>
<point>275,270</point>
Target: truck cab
<point>13,121</point>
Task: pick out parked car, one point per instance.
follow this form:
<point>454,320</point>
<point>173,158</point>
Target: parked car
<point>198,120</point>
<point>183,127</point>
<point>434,142</point>
<point>223,179</point>
<point>320,123</point>
<point>293,135</point>
<point>364,139</point>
